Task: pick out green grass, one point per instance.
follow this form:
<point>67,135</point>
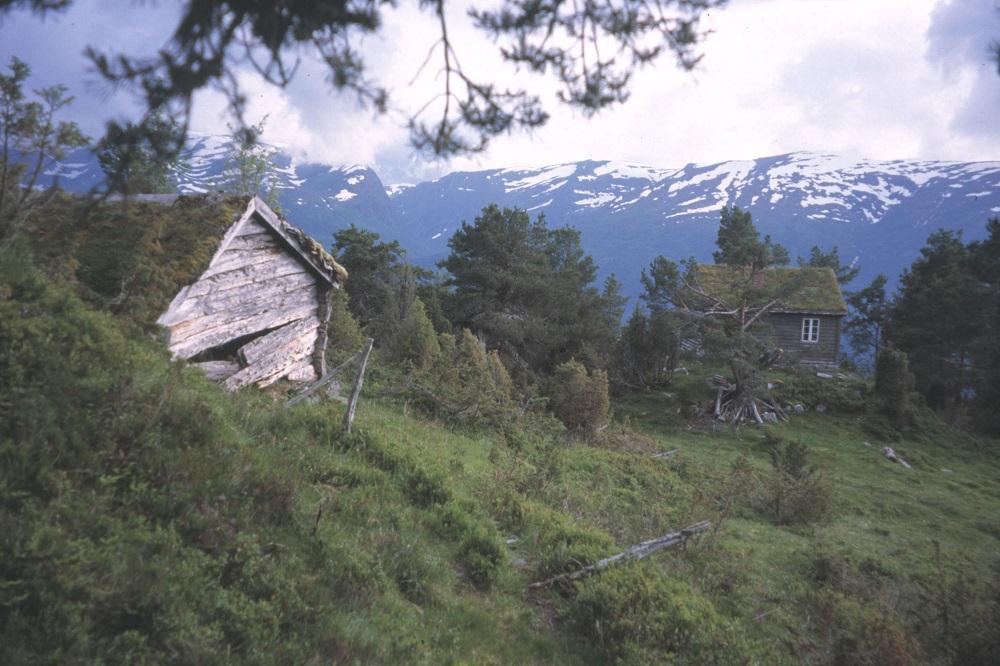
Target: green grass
<point>146,516</point>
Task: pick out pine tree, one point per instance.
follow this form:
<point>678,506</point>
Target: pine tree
<point>29,136</point>
<point>938,316</point>
<point>416,344</point>
<point>866,324</point>
<point>528,291</point>
<point>138,167</point>
<point>739,242</point>
<point>819,259</point>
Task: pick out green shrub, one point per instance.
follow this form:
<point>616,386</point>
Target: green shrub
<point>344,337</point>
<point>635,612</point>
<point>426,486</point>
<point>893,383</point>
<point>481,551</point>
<point>578,399</point>
<point>859,635</point>
<point>563,546</point>
<point>794,491</point>
<point>415,344</point>
<point>838,395</point>
<point>466,384</point>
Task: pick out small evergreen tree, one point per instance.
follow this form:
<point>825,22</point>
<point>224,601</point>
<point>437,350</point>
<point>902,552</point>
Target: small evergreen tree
<point>250,170</point>
<point>464,384</point>
<point>415,344</point>
<point>580,400</point>
<point>819,259</point>
<point>893,382</point>
<point>132,162</point>
<point>866,324</point>
<point>528,290</point>
<point>29,136</point>
<point>378,294</point>
<point>938,317</point>
<point>740,245</point>
<point>343,335</point>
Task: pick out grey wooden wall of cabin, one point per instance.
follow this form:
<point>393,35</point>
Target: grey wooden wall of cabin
<point>786,332</point>
<point>255,285</point>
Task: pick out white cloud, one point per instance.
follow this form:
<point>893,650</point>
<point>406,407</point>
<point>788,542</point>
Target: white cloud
<point>876,78</point>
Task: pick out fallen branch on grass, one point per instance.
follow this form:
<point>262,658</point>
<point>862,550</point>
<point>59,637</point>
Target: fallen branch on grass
<point>636,552</point>
<point>666,454</point>
<point>891,455</point>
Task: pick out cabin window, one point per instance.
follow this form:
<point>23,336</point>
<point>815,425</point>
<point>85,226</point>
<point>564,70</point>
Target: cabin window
<point>810,330</point>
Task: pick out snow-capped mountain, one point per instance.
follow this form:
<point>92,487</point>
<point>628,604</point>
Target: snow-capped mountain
<point>878,213</point>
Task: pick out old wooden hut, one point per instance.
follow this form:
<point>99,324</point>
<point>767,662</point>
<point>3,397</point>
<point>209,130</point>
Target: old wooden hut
<point>804,320</point>
<point>259,312</point>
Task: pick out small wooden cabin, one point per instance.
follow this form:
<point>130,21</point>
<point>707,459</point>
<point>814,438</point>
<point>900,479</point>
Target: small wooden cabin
<point>259,312</point>
<point>805,321</point>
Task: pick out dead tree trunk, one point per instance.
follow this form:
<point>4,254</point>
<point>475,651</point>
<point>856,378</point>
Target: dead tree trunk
<point>747,398</point>
<point>636,552</point>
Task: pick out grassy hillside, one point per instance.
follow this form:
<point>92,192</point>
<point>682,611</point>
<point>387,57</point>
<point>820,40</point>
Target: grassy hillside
<point>146,517</point>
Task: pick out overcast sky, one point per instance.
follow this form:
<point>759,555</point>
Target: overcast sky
<point>885,79</point>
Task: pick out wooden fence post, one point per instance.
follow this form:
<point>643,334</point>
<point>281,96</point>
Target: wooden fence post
<point>352,404</point>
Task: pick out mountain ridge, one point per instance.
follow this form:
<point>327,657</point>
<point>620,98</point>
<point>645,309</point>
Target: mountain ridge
<point>877,212</point>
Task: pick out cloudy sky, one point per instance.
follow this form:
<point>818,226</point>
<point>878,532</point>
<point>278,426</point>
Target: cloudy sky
<point>884,79</point>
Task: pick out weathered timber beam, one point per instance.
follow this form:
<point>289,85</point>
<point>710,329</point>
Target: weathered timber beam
<point>218,370</point>
<point>352,404</point>
<point>636,552</point>
<point>260,348</point>
<point>272,368</point>
<point>231,330</point>
<point>322,382</point>
<point>666,454</point>
<point>238,302</point>
<point>245,275</point>
<point>235,259</point>
<point>278,266</point>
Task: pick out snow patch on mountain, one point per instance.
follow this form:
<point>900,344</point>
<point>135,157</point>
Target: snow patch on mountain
<point>627,170</point>
<point>556,176</point>
<point>397,188</point>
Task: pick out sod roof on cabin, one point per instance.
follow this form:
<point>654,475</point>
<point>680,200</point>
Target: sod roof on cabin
<point>799,290</point>
<point>132,257</point>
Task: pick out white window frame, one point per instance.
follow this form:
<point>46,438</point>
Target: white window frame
<point>810,329</point>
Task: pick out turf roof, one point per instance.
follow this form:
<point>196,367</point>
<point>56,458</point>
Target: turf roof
<point>800,290</point>
<point>134,256</point>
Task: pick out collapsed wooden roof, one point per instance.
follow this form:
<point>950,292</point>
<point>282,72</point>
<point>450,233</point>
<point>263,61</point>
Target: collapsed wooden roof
<point>258,312</point>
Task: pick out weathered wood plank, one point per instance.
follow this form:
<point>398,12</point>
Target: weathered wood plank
<point>327,380</point>
<point>264,346</point>
<point>218,370</point>
<point>352,404</point>
<point>237,299</point>
<point>228,330</point>
<point>252,226</point>
<point>235,259</point>
<point>247,241</point>
<point>282,265</point>
<point>200,322</point>
<point>278,264</point>
<point>279,227</point>
<point>303,372</point>
<point>272,368</point>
